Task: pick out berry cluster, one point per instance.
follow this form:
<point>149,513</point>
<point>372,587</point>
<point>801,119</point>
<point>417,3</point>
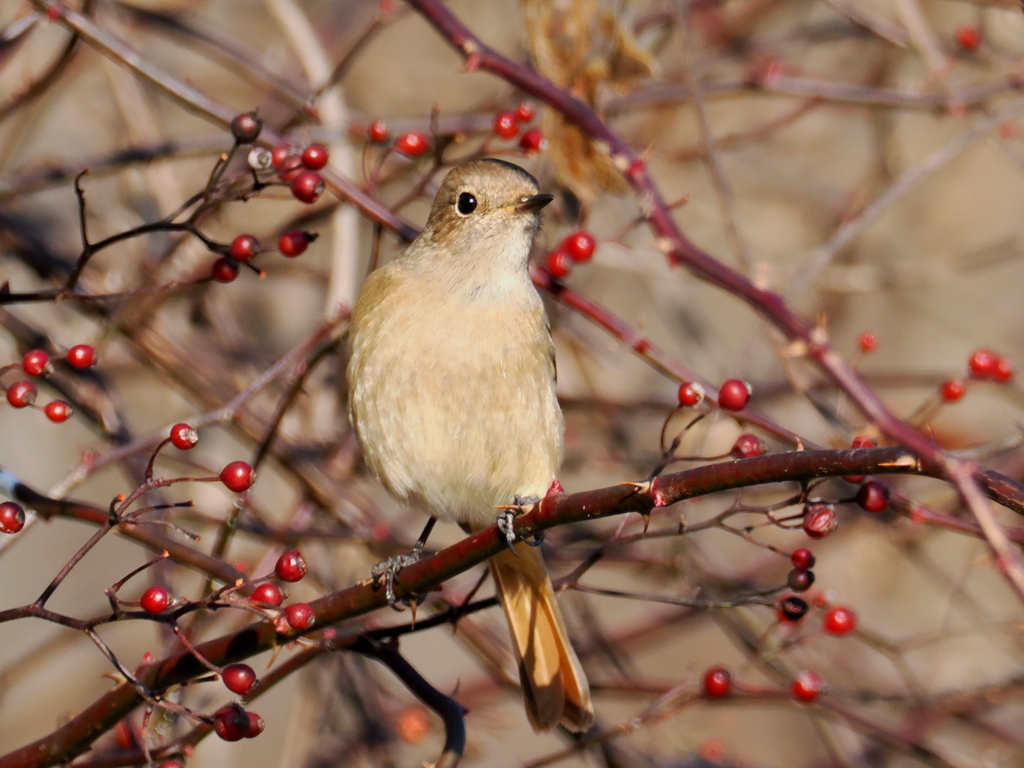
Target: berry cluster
<point>299,170</point>
<point>23,392</point>
<point>717,683</point>
<point>733,395</point>
<point>231,722</point>
<point>819,517</point>
<point>577,247</point>
<point>982,365</point>
<point>245,247</point>
<point>507,125</point>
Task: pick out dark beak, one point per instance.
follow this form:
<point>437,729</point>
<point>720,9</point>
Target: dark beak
<point>533,203</point>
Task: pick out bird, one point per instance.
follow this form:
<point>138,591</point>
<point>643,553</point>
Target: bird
<point>452,398</point>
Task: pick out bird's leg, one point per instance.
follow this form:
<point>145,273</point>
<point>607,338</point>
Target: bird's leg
<point>387,570</point>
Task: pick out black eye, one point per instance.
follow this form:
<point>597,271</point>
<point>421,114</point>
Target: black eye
<point>466,204</point>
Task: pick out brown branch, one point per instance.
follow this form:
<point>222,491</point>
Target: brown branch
<point>74,737</point>
<point>47,508</point>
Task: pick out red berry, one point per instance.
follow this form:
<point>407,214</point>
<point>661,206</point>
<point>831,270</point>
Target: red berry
<point>559,264</point>
<point>238,476</point>
<point>378,131</point>
<point>802,558</point>
<point>863,441</point>
<point>867,342</point>
<point>279,153</point>
<point>36,363</point>
<point>982,363</point>
<point>289,169</point>
<point>819,520</point>
<point>525,112</point>
<point>12,517</point>
<point>717,682</point>
<point>171,764</point>
<point>155,600</point>
<point>580,245</point>
<point>748,446</point>
<point>506,125</point>
<point>799,579</point>
<point>231,722</point>
<point>968,37</point>
<point>184,436</point>
<point>293,243</point>
<point>291,566</point>
<point>952,390</point>
<point>840,621</point>
<point>256,726</point>
<point>532,141</point>
<point>224,270</point>
<point>243,248</point>
<point>734,394</point>
<point>315,156</point>
<point>267,594</point>
<point>873,496</point>
<point>300,616</point>
<point>690,394</point>
<point>21,394</point>
<point>792,608</point>
<point>246,127</point>
<point>58,411</point>
<point>412,143</point>
<point>808,686</point>
<point>81,356</point>
<point>308,186</point>
<point>238,678</point>
<point>1003,371</point>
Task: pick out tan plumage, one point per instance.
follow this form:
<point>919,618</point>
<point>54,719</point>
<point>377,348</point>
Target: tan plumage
<point>453,398</point>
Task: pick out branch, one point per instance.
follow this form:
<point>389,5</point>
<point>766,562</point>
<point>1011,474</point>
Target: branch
<point>48,508</point>
<point>75,737</point>
<point>449,710</point>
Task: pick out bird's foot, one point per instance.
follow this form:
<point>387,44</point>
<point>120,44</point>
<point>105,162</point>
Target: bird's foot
<point>506,519</point>
<point>386,571</point>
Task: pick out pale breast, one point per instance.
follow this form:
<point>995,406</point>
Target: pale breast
<point>452,394</point>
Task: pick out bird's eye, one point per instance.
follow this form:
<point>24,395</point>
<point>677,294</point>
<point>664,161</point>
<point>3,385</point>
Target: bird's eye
<point>466,204</point>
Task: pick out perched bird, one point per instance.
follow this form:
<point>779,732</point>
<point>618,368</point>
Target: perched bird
<point>452,395</point>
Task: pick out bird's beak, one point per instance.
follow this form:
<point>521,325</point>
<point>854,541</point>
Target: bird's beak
<point>533,203</point>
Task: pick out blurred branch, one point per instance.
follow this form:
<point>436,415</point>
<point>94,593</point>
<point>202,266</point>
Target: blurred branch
<point>449,710</point>
<point>49,76</point>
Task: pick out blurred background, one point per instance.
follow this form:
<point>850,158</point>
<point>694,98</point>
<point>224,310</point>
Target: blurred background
<point>862,157</point>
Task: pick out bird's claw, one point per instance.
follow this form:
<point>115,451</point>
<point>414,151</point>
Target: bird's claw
<point>386,571</point>
<point>506,520</point>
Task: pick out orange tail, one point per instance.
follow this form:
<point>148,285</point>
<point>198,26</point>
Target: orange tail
<point>555,688</point>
